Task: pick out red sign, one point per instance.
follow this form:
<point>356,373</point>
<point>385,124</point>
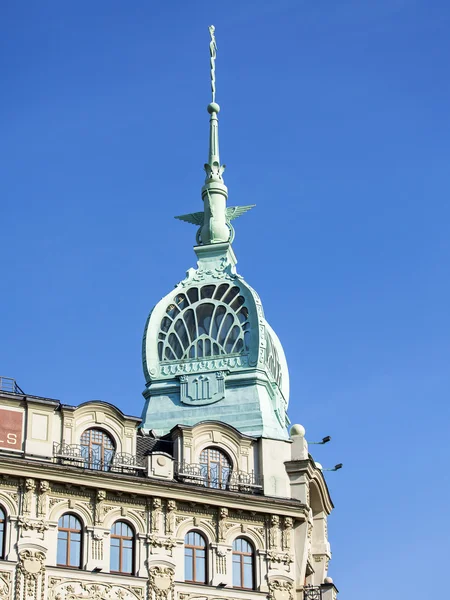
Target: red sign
<point>11,429</point>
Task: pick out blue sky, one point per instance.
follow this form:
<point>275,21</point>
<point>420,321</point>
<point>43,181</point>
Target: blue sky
<point>335,122</point>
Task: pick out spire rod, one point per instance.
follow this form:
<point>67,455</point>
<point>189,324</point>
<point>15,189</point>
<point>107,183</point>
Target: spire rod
<point>214,221</point>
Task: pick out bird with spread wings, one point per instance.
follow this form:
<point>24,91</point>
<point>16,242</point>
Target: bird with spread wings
<point>232,212</point>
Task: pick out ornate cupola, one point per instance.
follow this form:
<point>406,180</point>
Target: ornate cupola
<point>208,351</point>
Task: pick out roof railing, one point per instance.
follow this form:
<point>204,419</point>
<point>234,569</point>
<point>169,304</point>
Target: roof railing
<point>312,592</point>
<point>80,456</point>
<point>226,479</point>
<point>8,384</point>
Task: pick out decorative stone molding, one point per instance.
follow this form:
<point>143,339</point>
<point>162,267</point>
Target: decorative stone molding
<point>28,495</point>
<point>222,526</point>
<point>281,589</point>
<point>161,582</point>
<point>284,558</point>
<point>199,366</point>
<point>156,515</point>
<point>286,533</point>
<point>273,531</point>
<point>171,516</point>
<point>161,542</point>
<point>44,489</point>
<point>30,573</point>
<point>31,525</point>
<point>70,589</point>
<point>5,585</point>
<point>99,507</point>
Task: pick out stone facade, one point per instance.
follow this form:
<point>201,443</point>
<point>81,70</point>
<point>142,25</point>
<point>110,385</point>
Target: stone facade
<point>159,496</point>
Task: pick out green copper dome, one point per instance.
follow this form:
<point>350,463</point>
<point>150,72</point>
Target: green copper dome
<point>208,351</point>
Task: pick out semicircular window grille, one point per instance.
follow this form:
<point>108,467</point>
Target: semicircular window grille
<point>206,321</point>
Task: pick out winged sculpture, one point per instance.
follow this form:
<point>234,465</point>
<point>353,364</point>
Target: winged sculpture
<point>232,212</point>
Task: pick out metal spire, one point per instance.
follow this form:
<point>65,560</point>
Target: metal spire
<point>214,221</point>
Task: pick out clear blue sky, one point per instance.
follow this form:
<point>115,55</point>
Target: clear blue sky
<point>335,122</point>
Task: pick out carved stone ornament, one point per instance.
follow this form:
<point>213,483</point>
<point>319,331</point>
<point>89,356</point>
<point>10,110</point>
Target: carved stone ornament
<point>28,494</point>
<point>5,585</point>
<point>280,589</point>
<point>205,388</point>
<point>202,365</point>
<point>67,589</point>
<point>161,581</point>
<point>28,524</point>
<point>29,575</point>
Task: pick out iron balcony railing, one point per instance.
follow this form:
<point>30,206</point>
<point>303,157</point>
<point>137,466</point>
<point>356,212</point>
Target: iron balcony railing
<point>80,456</point>
<point>312,592</point>
<point>225,479</point>
<point>8,384</point>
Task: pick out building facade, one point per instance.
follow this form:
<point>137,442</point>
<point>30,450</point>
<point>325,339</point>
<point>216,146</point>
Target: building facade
<point>208,495</point>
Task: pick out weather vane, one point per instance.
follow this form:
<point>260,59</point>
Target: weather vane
<point>213,53</point>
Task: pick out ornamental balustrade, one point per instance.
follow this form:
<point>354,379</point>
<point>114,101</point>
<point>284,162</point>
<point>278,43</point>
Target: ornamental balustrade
<point>312,592</point>
<point>221,479</point>
<point>80,456</point>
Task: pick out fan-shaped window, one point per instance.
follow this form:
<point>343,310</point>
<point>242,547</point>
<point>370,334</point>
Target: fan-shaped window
<point>2,532</point>
<point>207,321</point>
<point>69,541</point>
<point>243,564</point>
<point>97,448</point>
<point>194,558</point>
<point>215,468</point>
<point>122,548</point>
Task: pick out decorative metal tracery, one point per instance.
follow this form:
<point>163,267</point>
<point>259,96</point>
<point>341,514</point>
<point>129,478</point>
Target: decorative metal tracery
<point>211,320</point>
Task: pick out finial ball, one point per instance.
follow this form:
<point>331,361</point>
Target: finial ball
<point>297,430</point>
<point>213,108</point>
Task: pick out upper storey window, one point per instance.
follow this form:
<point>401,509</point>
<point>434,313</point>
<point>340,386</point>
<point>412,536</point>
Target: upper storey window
<point>206,321</point>
<point>216,468</point>
<point>97,449</point>
<point>69,541</point>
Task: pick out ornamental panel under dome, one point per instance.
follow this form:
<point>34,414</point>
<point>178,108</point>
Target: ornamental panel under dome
<point>205,321</point>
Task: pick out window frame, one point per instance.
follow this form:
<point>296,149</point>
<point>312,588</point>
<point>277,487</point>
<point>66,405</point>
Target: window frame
<point>241,555</point>
<point>3,528</point>
<point>68,530</point>
<point>121,547</point>
<point>222,481</point>
<point>100,464</point>
<point>193,558</point>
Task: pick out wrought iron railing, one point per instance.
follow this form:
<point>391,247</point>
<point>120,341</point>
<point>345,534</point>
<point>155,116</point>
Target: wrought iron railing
<point>8,384</point>
<point>80,456</point>
<point>235,481</point>
<point>312,592</point>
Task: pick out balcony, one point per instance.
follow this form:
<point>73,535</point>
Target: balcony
<point>233,481</point>
<point>79,456</point>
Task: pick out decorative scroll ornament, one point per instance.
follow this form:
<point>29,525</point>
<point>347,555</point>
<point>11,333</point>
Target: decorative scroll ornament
<point>161,582</point>
<point>67,589</point>
<point>280,589</point>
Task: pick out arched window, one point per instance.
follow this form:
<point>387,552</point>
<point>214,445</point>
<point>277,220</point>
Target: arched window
<point>2,532</point>
<point>194,558</point>
<point>215,468</point>
<point>243,564</point>
<point>97,448</point>
<point>208,321</point>
<point>69,541</point>
<point>122,548</point>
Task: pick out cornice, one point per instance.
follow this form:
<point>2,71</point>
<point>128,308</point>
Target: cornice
<point>150,486</point>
